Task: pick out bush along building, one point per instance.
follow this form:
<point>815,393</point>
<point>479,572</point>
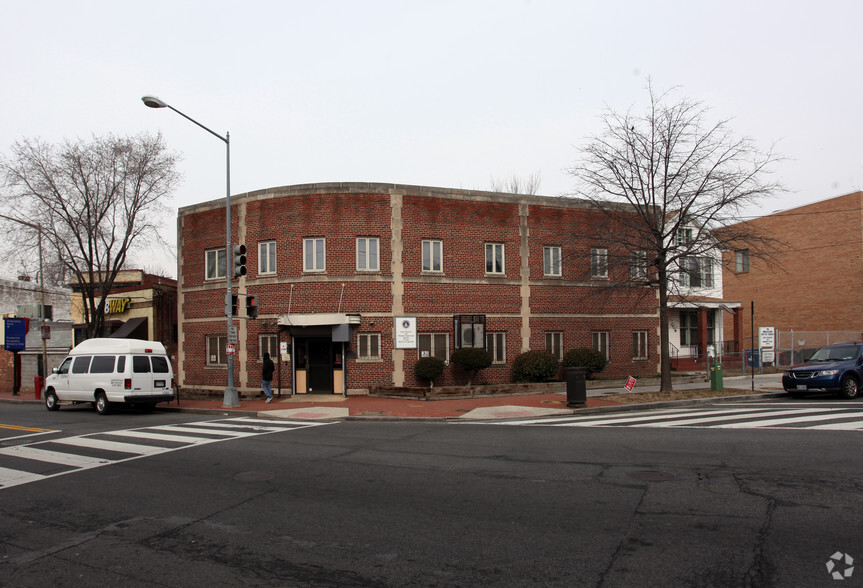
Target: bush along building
<point>351,284</point>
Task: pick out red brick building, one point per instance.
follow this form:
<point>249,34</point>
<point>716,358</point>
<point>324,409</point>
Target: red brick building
<point>814,282</point>
<point>355,282</point>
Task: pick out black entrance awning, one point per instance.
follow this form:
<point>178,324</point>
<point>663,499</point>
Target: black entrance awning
<point>129,327</point>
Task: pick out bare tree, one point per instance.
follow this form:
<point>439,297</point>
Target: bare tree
<point>94,200</point>
<point>517,185</point>
<point>673,169</point>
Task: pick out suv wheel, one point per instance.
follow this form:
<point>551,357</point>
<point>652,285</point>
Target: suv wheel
<point>850,387</point>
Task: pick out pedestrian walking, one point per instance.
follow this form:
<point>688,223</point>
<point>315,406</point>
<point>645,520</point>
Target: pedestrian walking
<point>267,377</point>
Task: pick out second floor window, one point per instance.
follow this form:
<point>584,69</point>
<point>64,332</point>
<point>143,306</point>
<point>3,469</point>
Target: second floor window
<point>432,256</point>
<point>551,261</point>
<point>314,254</point>
<point>215,264</point>
<point>367,254</point>
<point>494,258</point>
<point>599,263</point>
<point>267,257</point>
<point>741,261</point>
<point>697,272</point>
<point>638,267</point>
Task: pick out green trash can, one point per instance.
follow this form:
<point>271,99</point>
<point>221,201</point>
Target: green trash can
<point>716,377</point>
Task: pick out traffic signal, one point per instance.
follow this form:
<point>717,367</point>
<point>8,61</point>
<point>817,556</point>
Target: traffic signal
<point>251,307</point>
<point>234,302</point>
<point>239,260</point>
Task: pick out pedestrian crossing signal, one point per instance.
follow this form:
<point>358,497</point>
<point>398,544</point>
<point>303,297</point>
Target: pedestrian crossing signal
<point>251,307</point>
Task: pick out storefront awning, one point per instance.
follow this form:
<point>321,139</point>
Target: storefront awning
<point>129,327</point>
<point>318,319</point>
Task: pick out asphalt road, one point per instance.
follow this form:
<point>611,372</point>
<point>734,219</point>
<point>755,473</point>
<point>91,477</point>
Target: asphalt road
<point>432,504</point>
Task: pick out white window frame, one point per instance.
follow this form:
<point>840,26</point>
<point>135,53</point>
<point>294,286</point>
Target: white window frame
<point>213,270</point>
<point>432,256</point>
<point>368,254</point>
<point>554,343</point>
<point>217,350</point>
<point>495,344</point>
<point>314,255</point>
<point>600,341</point>
<point>639,345</point>
<point>683,236</point>
<point>699,268</point>
<point>599,263</point>
<point>368,346</point>
<point>551,265</point>
<point>495,259</point>
<point>268,343</point>
<point>638,265</point>
<point>433,350</point>
<point>267,258</point>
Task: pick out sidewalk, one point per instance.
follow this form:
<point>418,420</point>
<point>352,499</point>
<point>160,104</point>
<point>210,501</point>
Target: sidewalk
<point>333,407</point>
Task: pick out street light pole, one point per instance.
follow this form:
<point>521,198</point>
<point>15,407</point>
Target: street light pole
<point>231,398</point>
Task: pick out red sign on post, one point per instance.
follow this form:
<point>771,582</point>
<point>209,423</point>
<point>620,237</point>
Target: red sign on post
<point>230,349</point>
<point>630,384</point>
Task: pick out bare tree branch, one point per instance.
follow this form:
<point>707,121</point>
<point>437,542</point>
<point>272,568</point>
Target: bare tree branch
<point>95,201</point>
<point>674,169</point>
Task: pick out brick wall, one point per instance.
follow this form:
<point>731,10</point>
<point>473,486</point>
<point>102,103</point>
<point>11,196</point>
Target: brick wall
<point>521,302</point>
<point>814,280</point>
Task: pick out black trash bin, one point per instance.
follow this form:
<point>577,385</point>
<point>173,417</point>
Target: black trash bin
<point>576,386</point>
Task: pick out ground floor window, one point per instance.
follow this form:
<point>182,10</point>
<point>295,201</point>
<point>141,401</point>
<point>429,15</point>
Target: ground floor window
<point>495,344</point>
<point>688,328</point>
<point>217,354</point>
<point>434,345</point>
<point>639,345</point>
<point>554,344</point>
<point>600,343</point>
<point>268,343</point>
<point>369,346</point>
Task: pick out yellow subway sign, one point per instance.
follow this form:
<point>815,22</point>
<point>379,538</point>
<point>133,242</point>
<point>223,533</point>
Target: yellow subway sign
<point>117,305</point>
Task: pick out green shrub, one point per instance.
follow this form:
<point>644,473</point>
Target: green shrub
<point>471,360</point>
<point>429,368</point>
<point>585,357</point>
<point>535,366</point>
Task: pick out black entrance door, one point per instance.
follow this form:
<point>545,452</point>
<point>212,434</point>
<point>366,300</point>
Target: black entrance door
<point>320,374</point>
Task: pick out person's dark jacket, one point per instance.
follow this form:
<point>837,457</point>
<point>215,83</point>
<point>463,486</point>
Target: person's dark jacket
<point>269,368</point>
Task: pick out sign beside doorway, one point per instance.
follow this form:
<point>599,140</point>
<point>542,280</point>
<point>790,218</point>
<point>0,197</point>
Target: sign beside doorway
<point>406,332</point>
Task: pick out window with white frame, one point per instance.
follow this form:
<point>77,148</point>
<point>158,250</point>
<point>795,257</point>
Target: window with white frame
<point>495,344</point>
<point>600,343</point>
<point>432,255</point>
<point>494,258</point>
<point>368,346</point>
<point>683,236</point>
<point>599,263</point>
<point>217,350</point>
<point>433,345</point>
<point>639,345</point>
<point>554,344</point>
<point>551,261</point>
<point>215,264</point>
<point>368,249</point>
<point>314,254</point>
<point>741,261</point>
<point>638,265</point>
<point>268,343</point>
<point>266,257</point>
<point>697,272</point>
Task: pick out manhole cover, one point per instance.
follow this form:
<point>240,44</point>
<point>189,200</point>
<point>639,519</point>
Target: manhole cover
<point>254,477</point>
<point>651,476</point>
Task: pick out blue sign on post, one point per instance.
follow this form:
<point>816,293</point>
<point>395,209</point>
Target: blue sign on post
<point>16,333</point>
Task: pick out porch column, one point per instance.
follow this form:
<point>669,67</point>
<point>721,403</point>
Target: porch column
<point>702,331</point>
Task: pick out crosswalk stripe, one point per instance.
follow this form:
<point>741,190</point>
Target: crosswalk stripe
<point>216,431</point>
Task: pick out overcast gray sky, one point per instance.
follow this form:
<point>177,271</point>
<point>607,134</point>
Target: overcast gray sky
<point>439,93</point>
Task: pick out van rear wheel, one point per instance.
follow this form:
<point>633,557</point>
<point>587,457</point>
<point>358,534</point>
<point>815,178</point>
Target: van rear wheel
<point>51,402</point>
<point>102,404</point>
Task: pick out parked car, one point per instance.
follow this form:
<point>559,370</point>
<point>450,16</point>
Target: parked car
<point>835,368</point>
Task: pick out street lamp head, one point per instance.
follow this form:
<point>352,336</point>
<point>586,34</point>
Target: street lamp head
<point>153,102</point>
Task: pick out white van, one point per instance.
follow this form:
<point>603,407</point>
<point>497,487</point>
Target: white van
<point>104,371</point>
